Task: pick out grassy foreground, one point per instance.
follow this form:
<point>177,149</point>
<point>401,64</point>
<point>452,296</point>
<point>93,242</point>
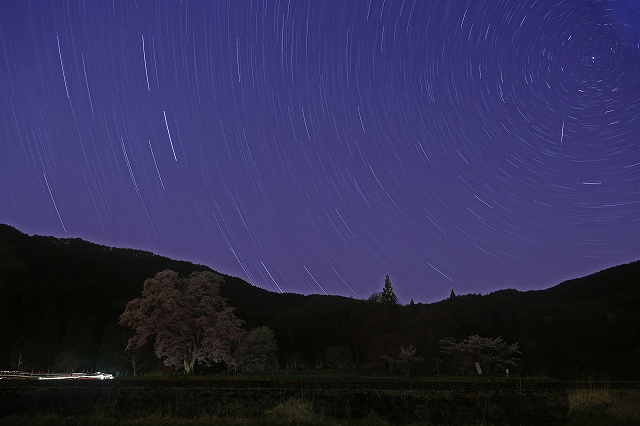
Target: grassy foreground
<point>603,406</point>
<point>291,412</point>
<point>255,402</point>
<point>586,407</point>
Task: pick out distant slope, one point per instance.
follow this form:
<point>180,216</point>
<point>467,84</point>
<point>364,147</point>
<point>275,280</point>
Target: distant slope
<point>617,286</point>
<point>583,327</point>
<point>124,270</point>
<point>48,286</point>
<point>64,296</point>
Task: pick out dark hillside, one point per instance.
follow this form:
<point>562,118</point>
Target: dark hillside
<point>60,300</point>
<point>617,286</point>
<point>59,295</point>
<point>586,326</point>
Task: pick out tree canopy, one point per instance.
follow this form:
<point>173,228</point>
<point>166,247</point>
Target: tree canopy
<point>187,319</point>
<point>493,354</point>
<point>258,351</point>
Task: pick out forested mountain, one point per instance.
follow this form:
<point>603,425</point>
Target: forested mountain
<point>60,300</point>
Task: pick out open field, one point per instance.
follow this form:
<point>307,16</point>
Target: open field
<point>318,400</point>
<point>286,400</point>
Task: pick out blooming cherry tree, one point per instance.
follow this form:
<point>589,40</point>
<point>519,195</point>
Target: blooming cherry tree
<point>187,318</point>
<point>493,353</point>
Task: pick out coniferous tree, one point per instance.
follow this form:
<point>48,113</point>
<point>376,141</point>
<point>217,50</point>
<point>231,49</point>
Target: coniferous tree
<point>452,295</point>
<point>388,297</point>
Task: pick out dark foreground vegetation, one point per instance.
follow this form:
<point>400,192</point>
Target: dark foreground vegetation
<point>318,400</point>
<point>387,401</point>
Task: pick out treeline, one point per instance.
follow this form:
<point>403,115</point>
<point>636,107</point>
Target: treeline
<point>61,299</point>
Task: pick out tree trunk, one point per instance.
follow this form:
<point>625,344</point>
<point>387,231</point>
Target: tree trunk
<point>188,365</point>
<point>189,362</point>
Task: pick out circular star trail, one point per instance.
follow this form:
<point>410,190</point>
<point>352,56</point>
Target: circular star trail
<point>316,146</point>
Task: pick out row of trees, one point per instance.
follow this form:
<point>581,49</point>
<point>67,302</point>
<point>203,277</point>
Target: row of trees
<point>189,323</point>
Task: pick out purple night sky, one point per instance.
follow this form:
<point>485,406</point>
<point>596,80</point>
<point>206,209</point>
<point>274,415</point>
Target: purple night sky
<point>315,146</point>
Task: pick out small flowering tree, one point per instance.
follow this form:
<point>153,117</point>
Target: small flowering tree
<point>406,359</point>
<point>492,353</point>
<point>187,318</point>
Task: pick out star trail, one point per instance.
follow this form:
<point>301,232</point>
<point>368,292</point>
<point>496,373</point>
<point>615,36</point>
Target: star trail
<point>315,146</point>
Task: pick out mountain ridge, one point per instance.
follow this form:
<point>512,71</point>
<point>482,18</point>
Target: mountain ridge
<point>59,295</point>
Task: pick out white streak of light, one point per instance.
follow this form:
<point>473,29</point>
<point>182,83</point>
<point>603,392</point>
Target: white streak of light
<point>305,125</point>
<point>126,158</point>
<point>440,272</point>
<point>238,57</point>
<point>274,281</point>
<point>156,164</point>
<point>345,283</point>
<point>169,133</point>
<point>315,281</point>
<point>87,84</point>
<point>54,202</point>
<point>146,72</point>
<point>64,77</point>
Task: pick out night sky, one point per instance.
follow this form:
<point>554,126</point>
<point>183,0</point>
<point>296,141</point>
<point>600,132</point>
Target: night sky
<point>315,146</point>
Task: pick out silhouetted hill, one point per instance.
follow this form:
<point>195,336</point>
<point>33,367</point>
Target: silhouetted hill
<point>62,293</point>
<point>617,286</point>
<point>587,326</point>
<point>60,300</point>
<point>117,272</point>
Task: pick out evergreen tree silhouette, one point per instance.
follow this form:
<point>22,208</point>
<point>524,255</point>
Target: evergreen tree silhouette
<point>388,297</point>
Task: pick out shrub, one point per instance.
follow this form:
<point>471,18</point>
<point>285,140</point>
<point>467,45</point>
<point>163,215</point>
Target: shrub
<point>292,411</point>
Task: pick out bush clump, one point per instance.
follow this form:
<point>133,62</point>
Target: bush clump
<point>602,406</point>
<point>293,411</point>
